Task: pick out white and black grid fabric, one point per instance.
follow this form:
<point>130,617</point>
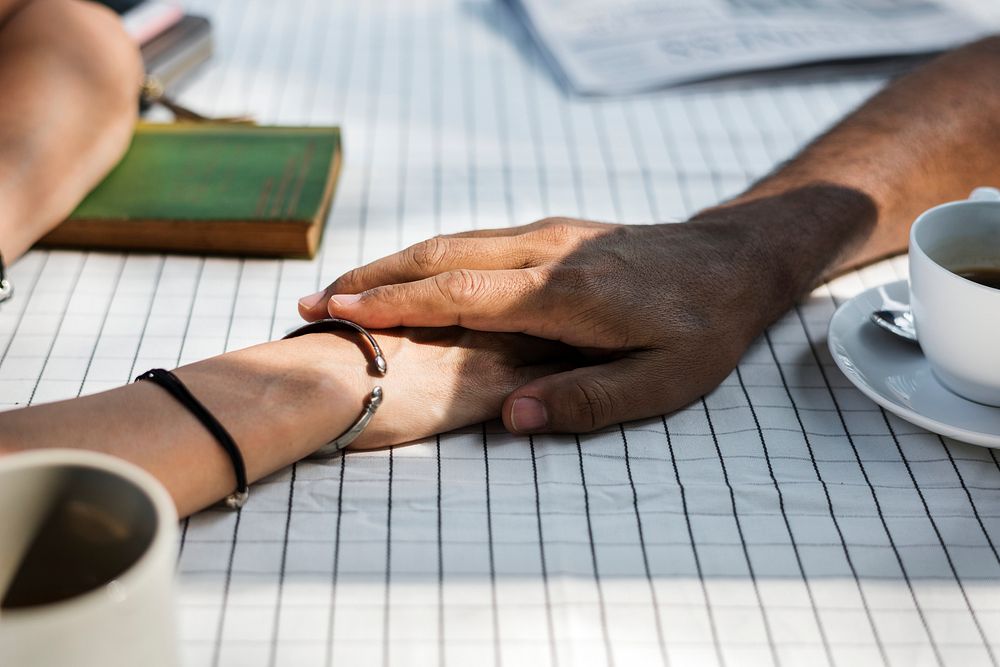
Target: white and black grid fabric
<point>784,519</point>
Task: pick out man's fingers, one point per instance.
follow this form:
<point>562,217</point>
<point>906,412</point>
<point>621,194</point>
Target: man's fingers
<point>483,300</point>
<point>481,250</point>
<point>434,256</point>
<point>589,398</point>
<point>423,260</point>
<point>491,233</point>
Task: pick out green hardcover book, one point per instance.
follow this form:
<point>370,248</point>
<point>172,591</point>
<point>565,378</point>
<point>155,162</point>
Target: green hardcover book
<point>210,188</point>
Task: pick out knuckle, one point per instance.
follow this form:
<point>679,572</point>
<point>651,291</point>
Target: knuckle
<point>461,286</point>
<point>345,282</point>
<point>558,231</point>
<point>547,222</point>
<point>428,255</point>
<point>591,405</point>
<point>553,230</point>
<point>377,295</point>
<point>535,280</point>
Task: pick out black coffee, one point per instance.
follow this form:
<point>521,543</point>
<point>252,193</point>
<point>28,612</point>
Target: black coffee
<point>984,275</point>
<point>96,530</point>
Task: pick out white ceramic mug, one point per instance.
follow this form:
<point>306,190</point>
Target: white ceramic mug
<point>958,320</point>
<point>104,596</point>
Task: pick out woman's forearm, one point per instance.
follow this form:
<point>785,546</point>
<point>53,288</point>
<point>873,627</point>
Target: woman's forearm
<point>283,400</point>
<point>280,401</point>
<point>70,77</point>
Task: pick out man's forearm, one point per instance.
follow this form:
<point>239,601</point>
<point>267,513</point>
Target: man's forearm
<point>69,76</point>
<point>929,137</point>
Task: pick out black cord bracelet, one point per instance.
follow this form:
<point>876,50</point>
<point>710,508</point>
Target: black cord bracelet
<point>176,388</point>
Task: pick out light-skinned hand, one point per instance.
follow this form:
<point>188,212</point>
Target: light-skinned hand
<point>663,312</point>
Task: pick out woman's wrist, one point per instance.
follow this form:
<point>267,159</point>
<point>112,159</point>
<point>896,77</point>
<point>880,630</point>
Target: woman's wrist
<point>305,392</point>
<point>339,381</point>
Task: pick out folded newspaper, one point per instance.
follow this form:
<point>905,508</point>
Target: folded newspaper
<point>626,46</point>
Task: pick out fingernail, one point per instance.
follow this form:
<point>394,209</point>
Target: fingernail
<point>528,414</point>
<point>312,300</point>
<point>345,299</point>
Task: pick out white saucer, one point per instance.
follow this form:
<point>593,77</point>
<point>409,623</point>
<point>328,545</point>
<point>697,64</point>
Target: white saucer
<point>894,373</point>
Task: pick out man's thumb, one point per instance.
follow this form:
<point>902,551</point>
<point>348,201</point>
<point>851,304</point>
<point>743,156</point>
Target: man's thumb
<point>581,400</point>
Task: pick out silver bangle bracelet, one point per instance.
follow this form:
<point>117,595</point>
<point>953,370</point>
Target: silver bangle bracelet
<point>373,400</point>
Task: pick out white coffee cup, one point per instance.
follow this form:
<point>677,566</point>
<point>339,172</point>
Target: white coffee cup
<point>958,320</point>
<point>105,598</point>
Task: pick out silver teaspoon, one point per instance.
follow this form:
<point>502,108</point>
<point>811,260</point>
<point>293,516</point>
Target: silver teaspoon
<point>899,322</point>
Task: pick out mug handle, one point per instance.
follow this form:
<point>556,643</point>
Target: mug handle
<point>985,194</point>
